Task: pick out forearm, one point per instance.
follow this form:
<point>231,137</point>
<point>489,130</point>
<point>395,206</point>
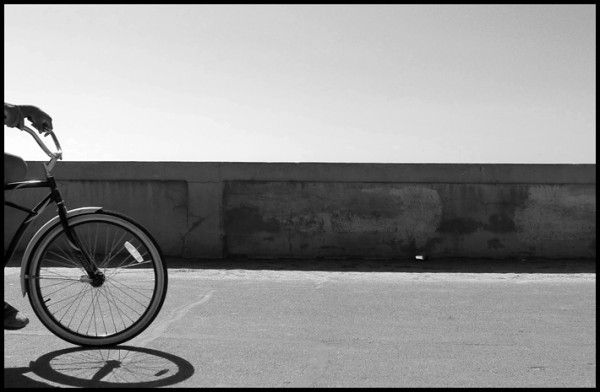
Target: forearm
<point>12,113</point>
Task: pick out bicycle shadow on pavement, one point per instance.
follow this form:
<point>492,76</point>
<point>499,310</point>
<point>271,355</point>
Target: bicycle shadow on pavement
<point>114,367</point>
<point>16,378</point>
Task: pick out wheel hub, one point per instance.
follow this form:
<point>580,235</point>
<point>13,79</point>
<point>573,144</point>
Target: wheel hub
<point>96,280</point>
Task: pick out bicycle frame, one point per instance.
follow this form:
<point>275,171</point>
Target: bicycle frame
<point>63,215</point>
<point>53,196</point>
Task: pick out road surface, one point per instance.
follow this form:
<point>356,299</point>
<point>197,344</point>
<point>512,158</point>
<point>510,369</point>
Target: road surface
<point>350,327</point>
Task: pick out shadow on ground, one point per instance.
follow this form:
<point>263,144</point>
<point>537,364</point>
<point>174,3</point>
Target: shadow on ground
<point>114,367</point>
<point>562,266</point>
<point>462,265</point>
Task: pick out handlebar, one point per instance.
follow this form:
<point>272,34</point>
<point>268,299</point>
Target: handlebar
<point>54,156</point>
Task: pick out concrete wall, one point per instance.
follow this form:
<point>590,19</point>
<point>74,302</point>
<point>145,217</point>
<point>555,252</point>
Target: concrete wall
<point>306,210</point>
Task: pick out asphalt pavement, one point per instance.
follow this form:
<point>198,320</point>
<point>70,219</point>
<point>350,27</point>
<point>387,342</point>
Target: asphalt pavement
<point>338,323</point>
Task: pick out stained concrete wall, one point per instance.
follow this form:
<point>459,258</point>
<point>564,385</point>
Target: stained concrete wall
<point>307,210</point>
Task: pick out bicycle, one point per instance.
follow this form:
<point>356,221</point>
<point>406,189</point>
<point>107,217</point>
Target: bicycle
<point>93,277</point>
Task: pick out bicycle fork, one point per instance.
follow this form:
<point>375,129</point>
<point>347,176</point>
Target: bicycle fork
<point>94,276</point>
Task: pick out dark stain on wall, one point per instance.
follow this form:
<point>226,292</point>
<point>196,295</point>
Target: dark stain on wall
<point>495,243</point>
<point>459,226</point>
<point>500,223</point>
<point>431,244</point>
<point>248,219</point>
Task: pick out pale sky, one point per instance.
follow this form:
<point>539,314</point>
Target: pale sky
<point>307,83</point>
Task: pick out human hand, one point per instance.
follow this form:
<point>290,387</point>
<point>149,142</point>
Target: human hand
<point>39,119</point>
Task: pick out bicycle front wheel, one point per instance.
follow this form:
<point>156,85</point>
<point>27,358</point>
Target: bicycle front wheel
<point>115,305</point>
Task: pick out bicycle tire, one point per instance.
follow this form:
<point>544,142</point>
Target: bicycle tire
<point>86,313</point>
